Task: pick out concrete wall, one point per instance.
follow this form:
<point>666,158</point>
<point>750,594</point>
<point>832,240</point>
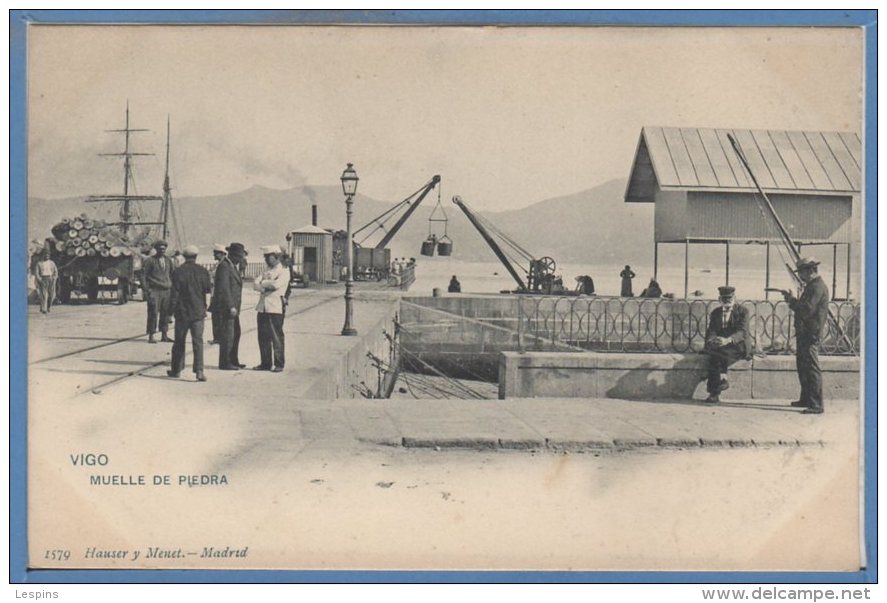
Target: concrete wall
<point>652,376</point>
<point>354,371</point>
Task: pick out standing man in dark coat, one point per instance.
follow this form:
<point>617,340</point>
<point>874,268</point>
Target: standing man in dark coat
<point>219,254</point>
<point>627,274</point>
<point>157,281</point>
<point>190,286</point>
<point>811,312</point>
<point>226,302</point>
<point>725,341</point>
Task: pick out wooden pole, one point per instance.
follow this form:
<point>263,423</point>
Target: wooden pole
<point>834,270</point>
<point>686,268</point>
<point>848,270</point>
<point>656,261</point>
<point>767,274</point>
<point>727,264</point>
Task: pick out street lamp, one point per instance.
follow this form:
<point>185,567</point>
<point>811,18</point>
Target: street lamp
<point>349,187</point>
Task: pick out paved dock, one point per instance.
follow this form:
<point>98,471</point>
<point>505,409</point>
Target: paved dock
<point>402,483</point>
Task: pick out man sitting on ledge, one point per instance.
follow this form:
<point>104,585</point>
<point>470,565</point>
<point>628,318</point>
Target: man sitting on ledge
<point>725,341</point>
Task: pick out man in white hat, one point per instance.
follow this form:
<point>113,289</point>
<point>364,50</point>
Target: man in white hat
<point>811,311</point>
<point>190,286</point>
<point>219,254</point>
<point>271,286</point>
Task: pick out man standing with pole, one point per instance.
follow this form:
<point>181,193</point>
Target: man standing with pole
<point>811,311</point>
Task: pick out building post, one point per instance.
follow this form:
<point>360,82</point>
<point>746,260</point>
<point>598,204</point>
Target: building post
<point>834,270</point>
<point>848,271</point>
<point>656,261</point>
<point>727,278</point>
<point>767,273</point>
<point>686,268</point>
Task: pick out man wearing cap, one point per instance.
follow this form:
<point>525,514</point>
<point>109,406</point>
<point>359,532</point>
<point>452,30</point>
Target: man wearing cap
<point>725,341</point>
<point>271,286</point>
<point>219,254</point>
<point>811,311</point>
<point>190,286</point>
<point>226,302</point>
<point>157,280</point>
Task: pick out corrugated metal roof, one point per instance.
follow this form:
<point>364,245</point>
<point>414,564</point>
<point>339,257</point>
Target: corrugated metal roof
<point>782,161</point>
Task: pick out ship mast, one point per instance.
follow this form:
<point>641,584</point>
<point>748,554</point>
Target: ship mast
<point>125,200</point>
<point>167,191</point>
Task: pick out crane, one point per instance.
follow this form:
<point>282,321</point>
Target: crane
<point>540,278</point>
<point>410,203</point>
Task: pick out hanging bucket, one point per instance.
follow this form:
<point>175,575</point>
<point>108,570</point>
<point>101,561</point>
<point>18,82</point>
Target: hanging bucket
<point>428,247</point>
<point>444,246</point>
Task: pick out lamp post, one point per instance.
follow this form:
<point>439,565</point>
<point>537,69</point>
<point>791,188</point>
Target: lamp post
<point>349,187</point>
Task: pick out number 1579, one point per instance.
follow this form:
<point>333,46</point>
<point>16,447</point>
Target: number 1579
<point>57,554</point>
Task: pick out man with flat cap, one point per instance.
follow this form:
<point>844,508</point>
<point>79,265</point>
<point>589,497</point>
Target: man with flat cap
<point>219,254</point>
<point>811,312</point>
<point>190,286</point>
<point>226,302</point>
<point>156,282</point>
<point>271,286</point>
<point>725,341</point>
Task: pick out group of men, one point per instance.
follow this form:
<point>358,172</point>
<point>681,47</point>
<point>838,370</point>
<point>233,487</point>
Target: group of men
<point>727,337</point>
<point>180,292</point>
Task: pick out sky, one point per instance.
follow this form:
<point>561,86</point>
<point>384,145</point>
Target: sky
<point>507,116</point>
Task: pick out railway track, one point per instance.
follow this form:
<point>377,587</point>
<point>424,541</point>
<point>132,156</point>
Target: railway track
<point>97,388</point>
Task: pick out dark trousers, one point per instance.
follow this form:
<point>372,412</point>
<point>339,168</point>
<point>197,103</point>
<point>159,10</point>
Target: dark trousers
<point>228,337</point>
<point>216,326</point>
<point>809,372</point>
<point>158,310</point>
<point>719,359</point>
<point>182,328</point>
<point>271,342</point>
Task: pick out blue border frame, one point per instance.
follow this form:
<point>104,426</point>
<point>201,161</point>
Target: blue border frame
<point>19,21</point>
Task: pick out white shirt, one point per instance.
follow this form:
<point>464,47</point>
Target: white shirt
<point>272,286</point>
<point>46,268</point>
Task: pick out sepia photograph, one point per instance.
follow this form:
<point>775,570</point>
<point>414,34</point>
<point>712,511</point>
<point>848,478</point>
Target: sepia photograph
<point>342,296</point>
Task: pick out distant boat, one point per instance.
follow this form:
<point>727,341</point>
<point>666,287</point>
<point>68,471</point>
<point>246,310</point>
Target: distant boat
<point>705,270</point>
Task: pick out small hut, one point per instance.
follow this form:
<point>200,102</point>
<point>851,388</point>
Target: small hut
<point>311,248</point>
<point>703,194</point>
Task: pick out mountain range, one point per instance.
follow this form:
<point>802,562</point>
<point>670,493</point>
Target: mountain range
<point>589,227</point>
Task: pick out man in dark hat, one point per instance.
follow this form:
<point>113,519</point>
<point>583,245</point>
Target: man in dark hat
<point>226,302</point>
<point>811,311</point>
<point>219,254</point>
<point>725,341</point>
<point>156,282</point>
<point>190,286</point>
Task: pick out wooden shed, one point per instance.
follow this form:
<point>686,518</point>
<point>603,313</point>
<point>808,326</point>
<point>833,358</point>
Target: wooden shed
<point>703,194</point>
<point>311,248</point>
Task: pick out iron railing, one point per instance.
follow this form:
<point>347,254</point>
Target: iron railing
<point>668,325</point>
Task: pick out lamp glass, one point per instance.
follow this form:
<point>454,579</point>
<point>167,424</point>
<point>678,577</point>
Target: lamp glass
<point>349,180</point>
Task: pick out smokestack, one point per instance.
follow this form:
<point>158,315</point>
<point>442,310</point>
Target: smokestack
<point>314,214</point>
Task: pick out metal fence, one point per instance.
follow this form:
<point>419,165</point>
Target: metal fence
<point>668,325</point>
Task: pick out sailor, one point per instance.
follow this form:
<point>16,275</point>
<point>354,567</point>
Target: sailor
<point>156,282</point>
<point>226,300</point>
<point>219,254</point>
<point>271,286</point>
<point>811,311</point>
<point>190,286</point>
<point>725,340</point>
